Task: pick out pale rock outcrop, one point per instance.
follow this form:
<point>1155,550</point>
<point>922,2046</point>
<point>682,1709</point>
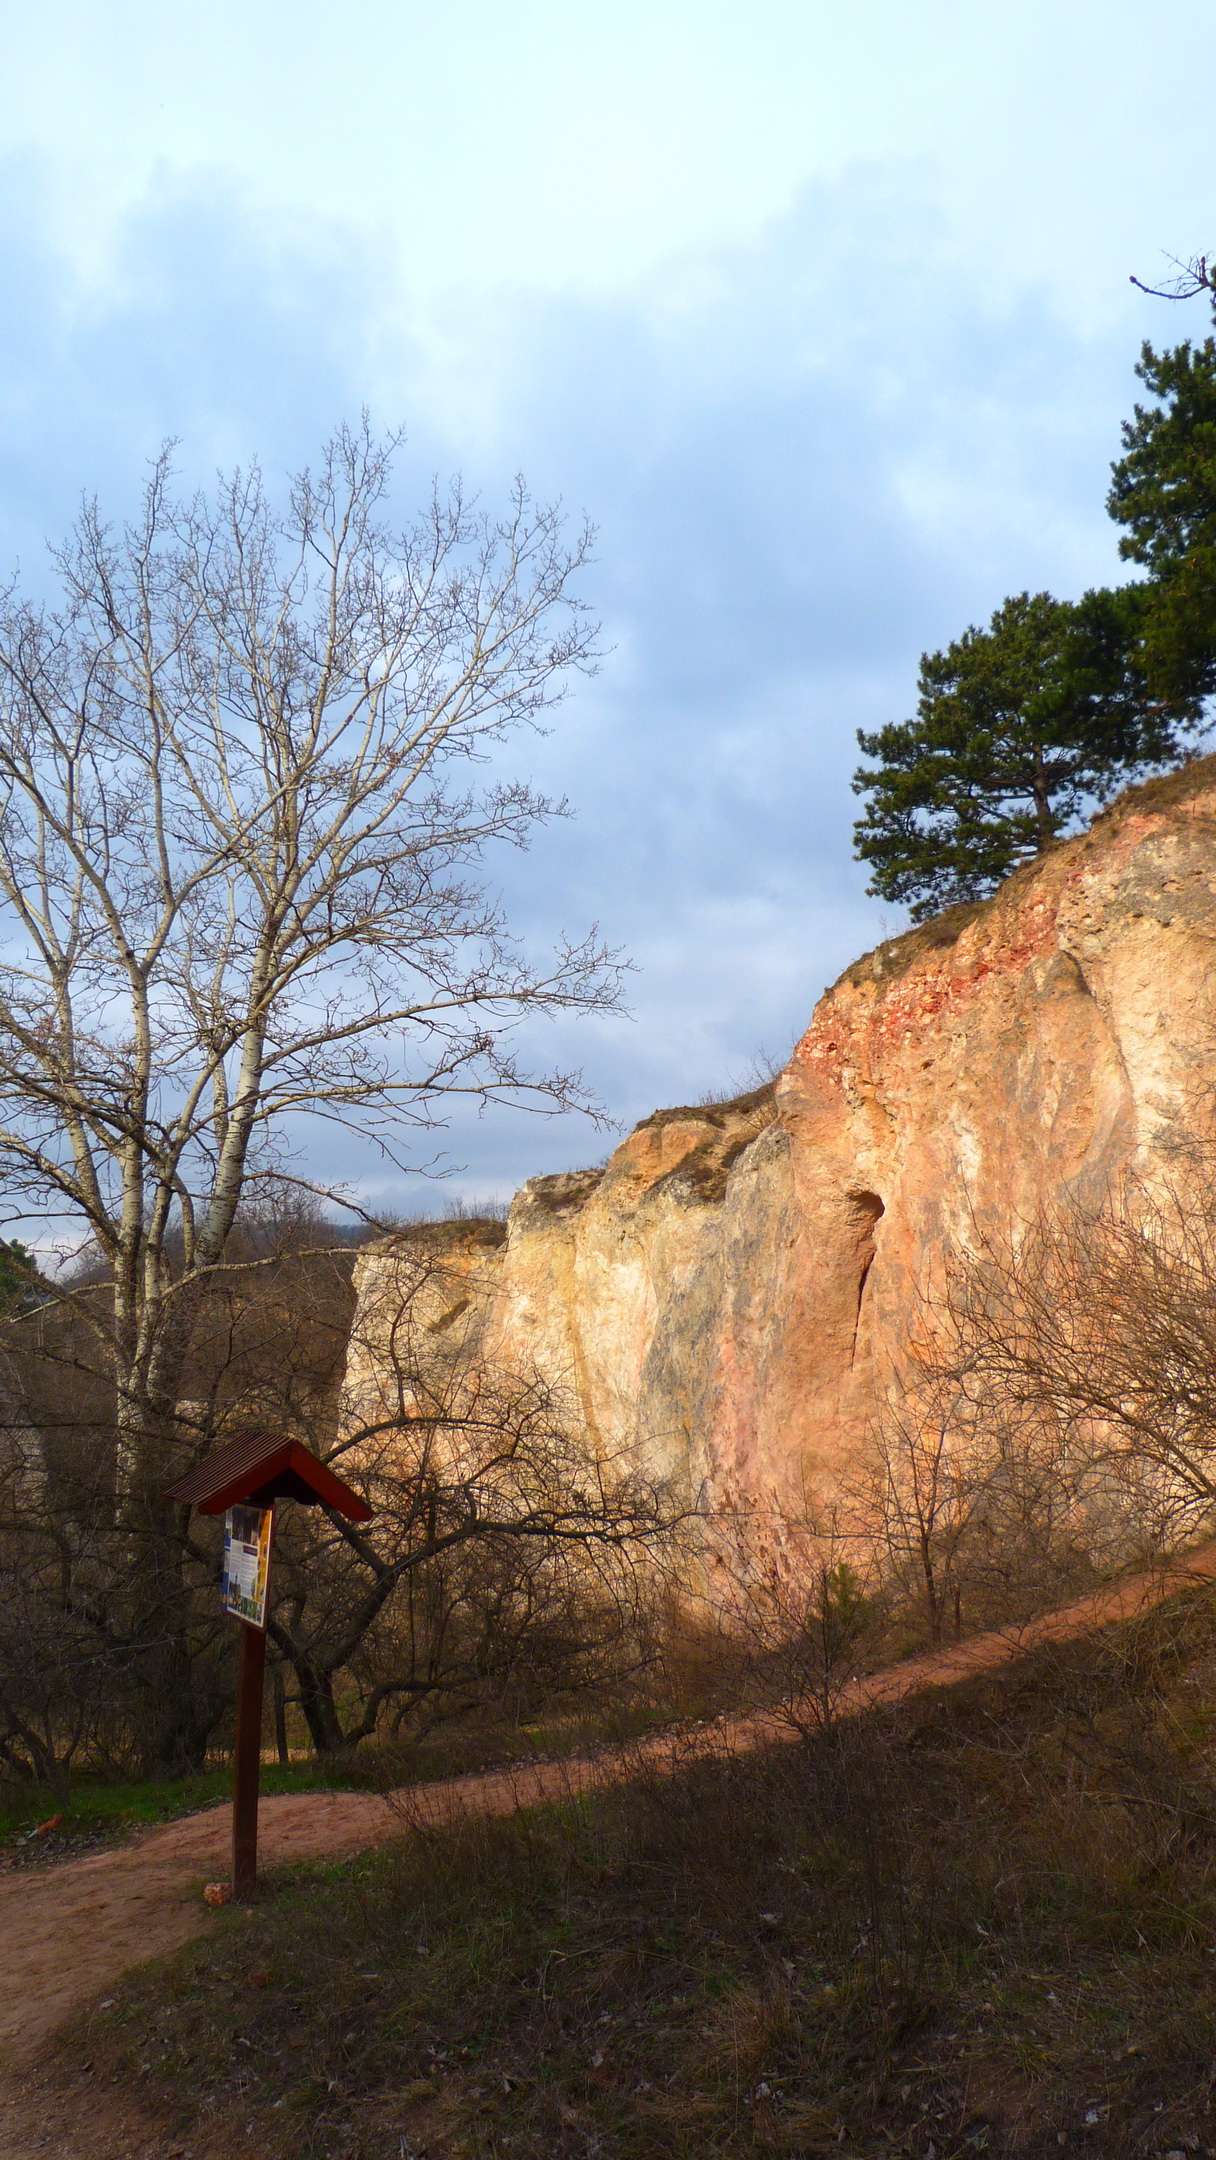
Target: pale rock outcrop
<point>421,1301</point>
<point>726,1298</point>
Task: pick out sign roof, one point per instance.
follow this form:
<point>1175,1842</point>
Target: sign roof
<point>259,1468</point>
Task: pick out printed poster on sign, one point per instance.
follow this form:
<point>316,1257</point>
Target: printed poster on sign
<point>246,1563</point>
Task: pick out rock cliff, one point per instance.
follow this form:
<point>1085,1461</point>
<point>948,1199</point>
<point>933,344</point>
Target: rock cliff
<point>725,1298</point>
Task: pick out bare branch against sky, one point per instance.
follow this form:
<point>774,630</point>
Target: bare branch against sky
<point>243,856</point>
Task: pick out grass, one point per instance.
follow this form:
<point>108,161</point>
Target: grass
<point>983,1924</point>
<point>97,1812</point>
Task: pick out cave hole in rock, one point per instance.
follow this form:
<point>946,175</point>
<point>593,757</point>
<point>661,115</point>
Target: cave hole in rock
<point>866,1210</point>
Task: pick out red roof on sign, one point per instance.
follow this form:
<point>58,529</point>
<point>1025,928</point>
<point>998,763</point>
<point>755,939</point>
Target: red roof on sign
<point>259,1468</point>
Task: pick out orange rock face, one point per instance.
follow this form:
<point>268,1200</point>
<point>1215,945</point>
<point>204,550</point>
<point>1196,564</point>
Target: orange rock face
<point>725,1299</point>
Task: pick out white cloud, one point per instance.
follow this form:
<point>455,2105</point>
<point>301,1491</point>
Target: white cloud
<point>820,429</point>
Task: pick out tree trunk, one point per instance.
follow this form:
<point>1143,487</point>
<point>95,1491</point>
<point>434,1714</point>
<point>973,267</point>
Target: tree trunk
<point>317,1702</point>
<point>1042,803</point>
<point>280,1715</point>
<point>181,1706</point>
<point>933,1597</point>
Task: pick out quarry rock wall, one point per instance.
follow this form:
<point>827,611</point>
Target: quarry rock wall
<point>728,1299</point>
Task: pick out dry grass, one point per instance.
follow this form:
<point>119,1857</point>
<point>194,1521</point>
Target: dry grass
<point>986,1923</point>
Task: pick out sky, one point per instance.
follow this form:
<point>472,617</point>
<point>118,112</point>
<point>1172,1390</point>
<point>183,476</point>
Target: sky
<point>822,315</point>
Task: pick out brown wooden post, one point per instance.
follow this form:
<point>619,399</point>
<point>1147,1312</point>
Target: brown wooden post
<point>248,1760</point>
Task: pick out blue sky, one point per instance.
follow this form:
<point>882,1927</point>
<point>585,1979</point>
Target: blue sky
<point>822,315</point>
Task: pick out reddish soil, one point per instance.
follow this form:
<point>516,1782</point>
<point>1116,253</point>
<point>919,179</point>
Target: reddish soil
<point>71,1931</point>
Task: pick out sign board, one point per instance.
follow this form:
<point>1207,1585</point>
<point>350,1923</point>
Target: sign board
<point>241,1481</point>
<point>247,1532</point>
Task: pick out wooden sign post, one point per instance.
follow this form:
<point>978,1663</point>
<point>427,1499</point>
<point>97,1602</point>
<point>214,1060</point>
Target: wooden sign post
<point>247,1759</point>
<point>244,1589</point>
<point>243,1481</point>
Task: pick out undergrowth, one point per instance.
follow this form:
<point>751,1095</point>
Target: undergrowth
<point>983,1923</point>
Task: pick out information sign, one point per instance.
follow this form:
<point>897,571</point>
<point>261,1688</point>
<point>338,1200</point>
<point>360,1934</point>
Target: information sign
<point>274,1467</point>
<point>247,1533</point>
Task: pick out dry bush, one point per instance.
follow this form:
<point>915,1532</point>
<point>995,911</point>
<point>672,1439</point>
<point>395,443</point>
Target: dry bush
<point>1116,1732</point>
<point>970,1512</point>
<point>1055,1418</point>
<point>798,1611</point>
<point>1092,1334</point>
<point>507,1560</point>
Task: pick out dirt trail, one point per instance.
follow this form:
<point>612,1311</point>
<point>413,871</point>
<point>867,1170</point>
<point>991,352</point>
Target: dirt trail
<point>69,1932</point>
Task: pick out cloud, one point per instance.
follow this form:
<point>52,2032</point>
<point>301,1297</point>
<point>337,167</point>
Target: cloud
<point>810,457</point>
<point>238,334</point>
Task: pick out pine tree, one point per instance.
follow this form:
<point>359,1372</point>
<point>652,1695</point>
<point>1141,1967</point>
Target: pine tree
<point>1164,492</point>
<point>1018,727</point>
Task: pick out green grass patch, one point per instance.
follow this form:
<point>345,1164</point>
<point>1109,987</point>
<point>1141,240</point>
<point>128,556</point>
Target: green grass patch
<point>95,1812</point>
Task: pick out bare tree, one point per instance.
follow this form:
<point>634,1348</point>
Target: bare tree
<point>1093,1333</point>
<point>1057,1414</point>
<point>914,1501</point>
<point>506,1562</point>
<point>800,1610</point>
<point>241,830</point>
<point>508,1558</point>
<point>239,837</point>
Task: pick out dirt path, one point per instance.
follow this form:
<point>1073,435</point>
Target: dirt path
<point>71,1931</point>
